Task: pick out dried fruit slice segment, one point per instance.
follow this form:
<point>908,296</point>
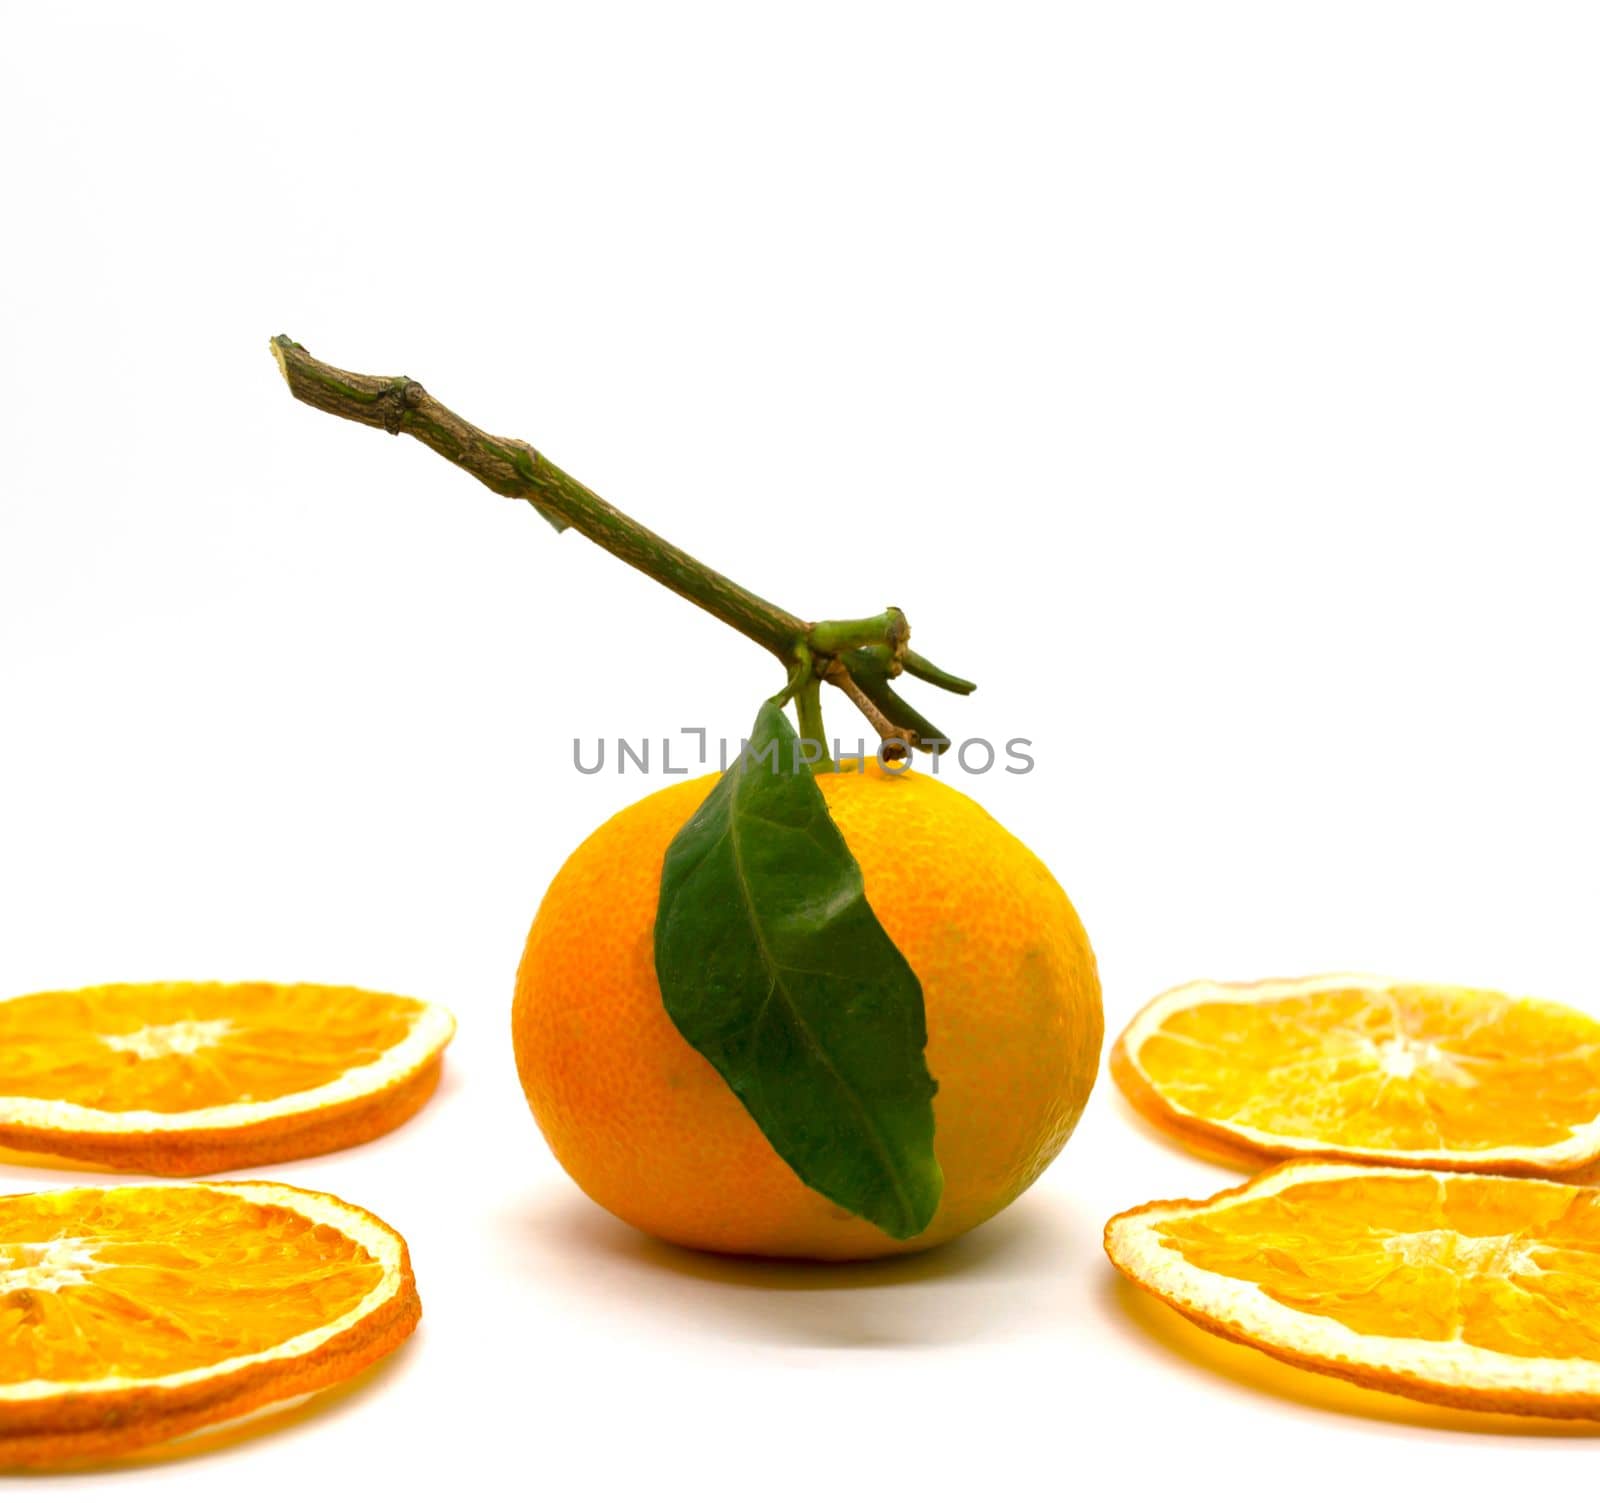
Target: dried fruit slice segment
<point>1370,1070</point>
<point>192,1077</point>
<point>1474,1290</point>
<point>135,1313</point>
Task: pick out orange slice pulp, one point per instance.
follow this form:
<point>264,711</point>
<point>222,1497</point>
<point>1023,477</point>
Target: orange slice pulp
<point>1474,1290</point>
<point>132,1314</point>
<point>1370,1070</point>
<point>192,1077</point>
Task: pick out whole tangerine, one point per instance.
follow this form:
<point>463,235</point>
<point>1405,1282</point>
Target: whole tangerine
<point>651,1131</point>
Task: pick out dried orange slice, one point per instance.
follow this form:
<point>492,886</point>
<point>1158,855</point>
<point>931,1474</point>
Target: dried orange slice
<point>192,1077</point>
<point>1369,1070</point>
<point>1475,1290</point>
<point>132,1314</point>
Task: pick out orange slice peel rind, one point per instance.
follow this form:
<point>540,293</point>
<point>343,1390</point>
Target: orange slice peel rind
<point>134,1314</point>
<point>185,1078</point>
<point>1470,1290</point>
<point>1368,1070</point>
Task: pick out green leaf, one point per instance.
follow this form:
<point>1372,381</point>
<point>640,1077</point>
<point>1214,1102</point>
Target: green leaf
<point>773,965</point>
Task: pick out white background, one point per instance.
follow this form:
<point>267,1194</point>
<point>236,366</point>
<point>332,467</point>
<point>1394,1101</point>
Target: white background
<point>1216,384</point>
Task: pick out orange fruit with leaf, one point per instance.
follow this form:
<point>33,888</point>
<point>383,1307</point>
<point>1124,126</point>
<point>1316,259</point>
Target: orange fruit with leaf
<point>724,1127</point>
<point>794,1010</point>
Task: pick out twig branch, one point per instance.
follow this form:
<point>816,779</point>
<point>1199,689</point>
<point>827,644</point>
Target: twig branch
<point>510,467</point>
<point>875,645</point>
<point>838,675</point>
